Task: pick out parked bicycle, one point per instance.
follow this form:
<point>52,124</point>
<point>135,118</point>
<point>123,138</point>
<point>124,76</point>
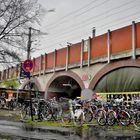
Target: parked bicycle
<point>74,113</point>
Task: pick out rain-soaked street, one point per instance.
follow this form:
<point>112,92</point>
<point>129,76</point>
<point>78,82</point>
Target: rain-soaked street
<point>20,131</point>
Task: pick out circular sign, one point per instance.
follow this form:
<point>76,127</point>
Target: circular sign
<point>27,65</point>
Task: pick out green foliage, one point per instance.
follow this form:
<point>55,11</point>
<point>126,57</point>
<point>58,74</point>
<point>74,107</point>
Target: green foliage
<point>11,83</point>
<point>47,123</point>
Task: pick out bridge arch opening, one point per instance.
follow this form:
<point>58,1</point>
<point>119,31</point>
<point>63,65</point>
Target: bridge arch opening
<point>31,85</point>
<point>123,82</point>
<point>127,64</point>
<point>64,86</point>
<point>124,79</point>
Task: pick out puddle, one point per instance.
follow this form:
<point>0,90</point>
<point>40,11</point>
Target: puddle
<point>20,131</point>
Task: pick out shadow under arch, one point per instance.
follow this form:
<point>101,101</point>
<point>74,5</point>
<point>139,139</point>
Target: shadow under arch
<point>32,80</point>
<point>66,73</point>
<point>111,67</point>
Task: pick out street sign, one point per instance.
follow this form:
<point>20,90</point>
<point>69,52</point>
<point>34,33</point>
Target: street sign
<point>27,65</point>
<point>24,74</point>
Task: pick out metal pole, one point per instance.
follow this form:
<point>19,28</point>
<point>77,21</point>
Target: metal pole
<point>28,57</point>
<point>29,43</point>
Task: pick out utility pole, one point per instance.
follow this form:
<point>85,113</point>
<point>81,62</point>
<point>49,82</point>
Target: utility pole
<point>28,57</point>
<point>29,44</point>
<point>30,41</point>
<point>93,32</point>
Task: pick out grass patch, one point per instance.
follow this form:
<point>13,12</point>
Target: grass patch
<point>9,115</point>
<point>15,116</point>
<point>45,123</point>
<point>120,127</point>
<point>55,123</point>
<point>83,126</point>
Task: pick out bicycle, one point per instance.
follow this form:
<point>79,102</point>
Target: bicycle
<point>118,115</point>
<point>94,110</point>
<point>74,114</point>
<point>26,109</point>
<point>2,102</point>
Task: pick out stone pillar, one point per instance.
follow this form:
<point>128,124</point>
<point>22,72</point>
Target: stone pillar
<point>81,59</point>
<point>133,40</point>
<point>45,62</point>
<point>108,47</point>
<point>67,57</point>
<point>89,46</point>
<point>54,60</point>
<point>40,67</point>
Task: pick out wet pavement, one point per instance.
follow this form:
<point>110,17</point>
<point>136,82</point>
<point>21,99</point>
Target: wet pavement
<point>20,131</point>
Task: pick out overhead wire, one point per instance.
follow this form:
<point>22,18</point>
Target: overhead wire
<point>59,21</point>
<point>89,21</point>
<point>85,20</point>
<point>95,6</point>
<point>122,18</point>
<point>75,34</point>
<point>109,22</point>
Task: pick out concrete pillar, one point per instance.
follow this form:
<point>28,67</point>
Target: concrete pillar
<point>108,46</point>
<point>40,66</point>
<point>45,62</point>
<point>81,59</point>
<point>67,57</point>
<point>89,46</point>
<point>54,60</point>
<point>133,40</point>
<point>33,66</point>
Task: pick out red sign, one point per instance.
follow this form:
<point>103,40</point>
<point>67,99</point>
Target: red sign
<point>84,77</point>
<point>27,65</point>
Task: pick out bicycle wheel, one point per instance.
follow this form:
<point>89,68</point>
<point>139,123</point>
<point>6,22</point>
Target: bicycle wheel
<point>48,114</point>
<point>111,118</point>
<point>133,116</point>
<point>137,115</point>
<point>88,116</point>
<point>24,113</point>
<point>55,114</point>
<point>2,102</point>
<point>101,117</point>
<point>66,117</point>
<point>124,118</point>
<point>79,121</point>
<point>79,117</point>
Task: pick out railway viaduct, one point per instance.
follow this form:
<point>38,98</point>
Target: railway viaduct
<point>106,63</point>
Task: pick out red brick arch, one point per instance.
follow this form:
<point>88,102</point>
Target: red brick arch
<point>33,80</point>
<point>112,66</point>
<point>66,73</point>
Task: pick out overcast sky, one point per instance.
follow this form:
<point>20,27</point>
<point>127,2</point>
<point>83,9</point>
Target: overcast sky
<point>73,20</point>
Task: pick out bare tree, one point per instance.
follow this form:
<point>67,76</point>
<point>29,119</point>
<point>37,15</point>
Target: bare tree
<point>15,17</point>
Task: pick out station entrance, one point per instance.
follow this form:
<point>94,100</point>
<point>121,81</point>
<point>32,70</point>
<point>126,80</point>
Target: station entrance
<point>64,86</point>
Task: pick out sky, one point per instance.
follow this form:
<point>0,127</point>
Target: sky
<point>73,20</point>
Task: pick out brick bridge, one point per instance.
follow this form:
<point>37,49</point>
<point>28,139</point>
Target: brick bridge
<point>79,68</point>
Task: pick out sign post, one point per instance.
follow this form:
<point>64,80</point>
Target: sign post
<point>24,74</point>
<point>27,67</point>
